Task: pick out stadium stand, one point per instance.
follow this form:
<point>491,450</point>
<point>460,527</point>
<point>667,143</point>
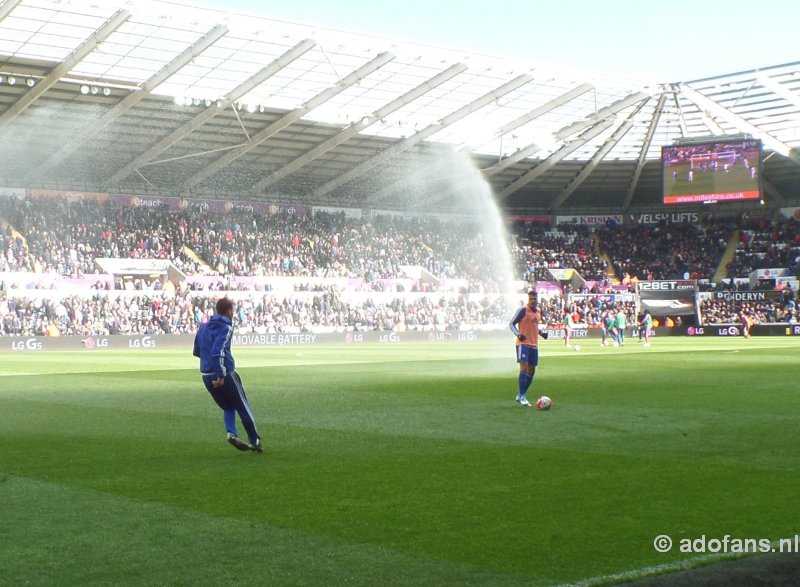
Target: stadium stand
<point>680,251</point>
<point>70,268</point>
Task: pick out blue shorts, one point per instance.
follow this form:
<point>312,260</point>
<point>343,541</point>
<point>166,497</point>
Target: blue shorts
<point>527,354</point>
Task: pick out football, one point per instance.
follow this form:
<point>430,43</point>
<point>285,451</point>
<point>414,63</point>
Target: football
<point>577,347</point>
<point>544,403</point>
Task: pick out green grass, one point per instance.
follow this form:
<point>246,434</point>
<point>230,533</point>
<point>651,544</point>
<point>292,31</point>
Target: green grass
<point>394,465</point>
<point>735,180</point>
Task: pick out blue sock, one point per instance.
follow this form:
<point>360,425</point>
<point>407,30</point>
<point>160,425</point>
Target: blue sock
<point>229,417</point>
<point>528,384</point>
<point>524,383</point>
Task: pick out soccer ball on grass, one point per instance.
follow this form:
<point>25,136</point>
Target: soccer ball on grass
<point>544,403</point>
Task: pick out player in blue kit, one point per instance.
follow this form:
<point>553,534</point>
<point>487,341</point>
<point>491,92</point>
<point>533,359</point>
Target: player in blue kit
<point>525,326</point>
<point>212,344</point>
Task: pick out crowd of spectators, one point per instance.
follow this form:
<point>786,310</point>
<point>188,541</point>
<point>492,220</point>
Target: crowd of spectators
<point>65,237</point>
<point>714,311</point>
<point>328,310</point>
<point>62,237</point>
<point>666,251</point>
<point>540,248</point>
<point>103,314</point>
<point>766,244</point>
<point>333,245</point>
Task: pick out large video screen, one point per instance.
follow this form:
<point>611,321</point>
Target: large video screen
<point>718,171</point>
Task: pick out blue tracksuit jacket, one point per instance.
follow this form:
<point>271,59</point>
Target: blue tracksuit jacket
<point>212,344</point>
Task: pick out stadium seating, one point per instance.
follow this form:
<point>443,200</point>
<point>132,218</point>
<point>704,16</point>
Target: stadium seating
<point>295,274</point>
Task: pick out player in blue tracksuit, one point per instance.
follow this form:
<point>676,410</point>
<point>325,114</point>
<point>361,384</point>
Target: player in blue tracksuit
<point>212,344</point>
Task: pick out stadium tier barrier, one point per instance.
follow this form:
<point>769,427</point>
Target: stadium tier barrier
<point>28,344</point>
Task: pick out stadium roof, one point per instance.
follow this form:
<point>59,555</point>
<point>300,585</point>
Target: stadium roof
<point>164,98</point>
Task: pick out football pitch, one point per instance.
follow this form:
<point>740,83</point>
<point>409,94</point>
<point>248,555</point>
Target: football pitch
<point>395,464</point>
<point>707,182</point>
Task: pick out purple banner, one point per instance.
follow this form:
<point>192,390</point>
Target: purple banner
<point>216,206</point>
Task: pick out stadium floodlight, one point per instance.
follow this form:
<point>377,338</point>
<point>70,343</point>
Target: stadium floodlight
<point>12,80</point>
<point>106,91</point>
<point>2,79</point>
<point>207,102</point>
<point>219,103</point>
<point>31,82</point>
<point>95,90</point>
<point>84,89</point>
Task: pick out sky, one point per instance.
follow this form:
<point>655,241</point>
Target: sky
<point>673,41</point>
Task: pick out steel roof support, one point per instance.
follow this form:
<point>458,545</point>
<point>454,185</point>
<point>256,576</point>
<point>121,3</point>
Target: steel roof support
<point>420,136</point>
<point>612,141</point>
<point>604,113</point>
<point>778,88</point>
<point>502,131</point>
<point>293,116</point>
<point>357,127</point>
<point>133,98</point>
<point>705,103</point>
<point>648,140</point>
<point>62,68</point>
<point>548,106</point>
<point>7,7</point>
<point>679,112</point>
<point>711,124</point>
<point>566,132</point>
<point>242,89</point>
<point>550,162</point>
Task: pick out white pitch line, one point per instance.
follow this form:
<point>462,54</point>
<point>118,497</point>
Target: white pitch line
<point>652,571</point>
<point>682,565</point>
